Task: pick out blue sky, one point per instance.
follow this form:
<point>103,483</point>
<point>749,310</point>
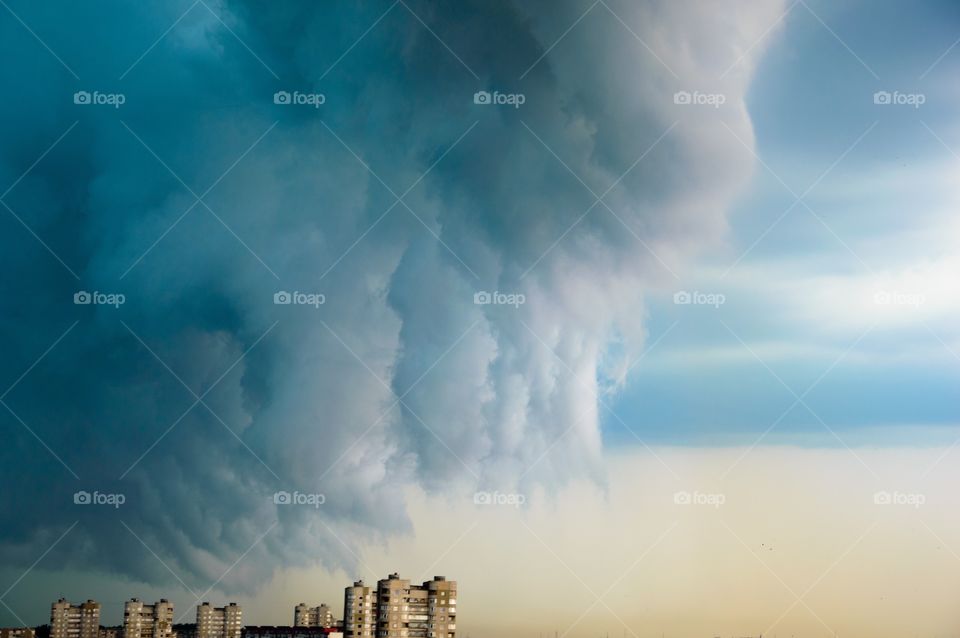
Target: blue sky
<point>886,207</point>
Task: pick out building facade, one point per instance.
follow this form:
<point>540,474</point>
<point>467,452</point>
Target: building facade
<point>360,611</point>
<point>74,621</point>
<point>147,621</point>
<point>219,622</point>
<point>399,609</point>
<point>441,607</point>
<point>17,632</point>
<point>305,616</point>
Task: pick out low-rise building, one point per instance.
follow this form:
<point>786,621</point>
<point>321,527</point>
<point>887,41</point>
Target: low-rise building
<point>17,632</point>
<point>306,616</point>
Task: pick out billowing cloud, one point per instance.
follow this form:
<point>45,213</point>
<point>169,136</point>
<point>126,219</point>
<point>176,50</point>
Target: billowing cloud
<point>398,199</point>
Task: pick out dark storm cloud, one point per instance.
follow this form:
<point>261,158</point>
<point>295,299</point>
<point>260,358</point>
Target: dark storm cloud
<point>398,377</point>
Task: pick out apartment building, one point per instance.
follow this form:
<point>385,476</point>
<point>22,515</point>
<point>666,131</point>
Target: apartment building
<point>219,622</point>
<point>17,632</point>
<point>360,611</point>
<point>74,621</point>
<point>402,610</point>
<point>441,607</point>
<point>304,616</point>
<point>148,621</point>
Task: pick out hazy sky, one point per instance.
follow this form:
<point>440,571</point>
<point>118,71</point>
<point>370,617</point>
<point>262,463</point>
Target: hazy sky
<point>602,258</point>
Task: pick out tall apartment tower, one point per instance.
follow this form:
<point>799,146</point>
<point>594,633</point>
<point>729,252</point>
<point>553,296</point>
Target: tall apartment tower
<point>74,621</point>
<point>219,622</point>
<point>441,607</point>
<point>148,621</point>
<point>402,610</point>
<point>304,616</point>
<point>359,611</point>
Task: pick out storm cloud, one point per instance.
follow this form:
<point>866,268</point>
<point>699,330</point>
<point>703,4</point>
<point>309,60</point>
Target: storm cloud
<point>399,199</point>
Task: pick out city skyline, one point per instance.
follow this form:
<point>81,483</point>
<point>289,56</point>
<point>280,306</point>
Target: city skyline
<point>393,608</point>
